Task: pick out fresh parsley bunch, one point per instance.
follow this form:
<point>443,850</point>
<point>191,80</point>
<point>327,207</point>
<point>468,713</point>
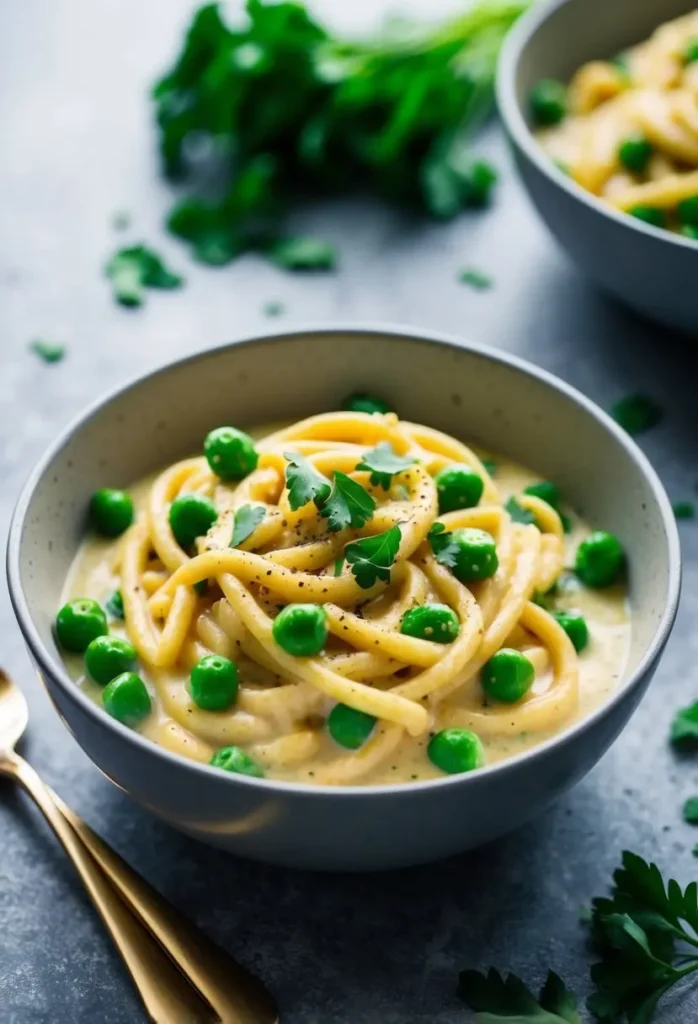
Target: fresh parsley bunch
<point>283,107</point>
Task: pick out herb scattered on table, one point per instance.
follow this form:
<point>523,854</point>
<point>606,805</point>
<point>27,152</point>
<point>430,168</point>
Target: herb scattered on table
<point>644,934</point>
<point>383,464</point>
<point>49,351</point>
<point>285,107</point>
<point>247,519</point>
<point>347,505</point>
<point>690,810</point>
<point>371,558</point>
<point>637,413</point>
<point>477,279</point>
<point>273,308</point>
<point>684,510</point>
<point>135,268</point>
<point>684,728</point>
<point>121,220</point>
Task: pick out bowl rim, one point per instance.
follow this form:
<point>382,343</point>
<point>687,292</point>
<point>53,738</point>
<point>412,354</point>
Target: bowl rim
<point>515,44</point>
<point>56,670</point>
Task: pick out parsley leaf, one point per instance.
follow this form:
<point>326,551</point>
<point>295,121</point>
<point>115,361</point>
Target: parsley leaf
<point>498,999</point>
<point>273,308</point>
<point>49,351</point>
<point>477,279</point>
<point>371,558</point>
<point>684,728</point>
<point>115,605</point>
<point>690,810</point>
<point>347,505</point>
<point>339,566</point>
<point>135,268</point>
<point>247,519</point>
<point>444,547</point>
<point>519,514</point>
<point>383,464</point>
<point>303,253</point>
<point>490,465</point>
<point>304,483</point>
<point>637,413</point>
<point>684,510</point>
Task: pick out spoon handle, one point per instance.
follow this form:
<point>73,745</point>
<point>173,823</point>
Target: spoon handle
<point>165,992</point>
<point>236,995</point>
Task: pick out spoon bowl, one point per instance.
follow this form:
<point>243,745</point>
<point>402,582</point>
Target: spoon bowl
<point>14,714</point>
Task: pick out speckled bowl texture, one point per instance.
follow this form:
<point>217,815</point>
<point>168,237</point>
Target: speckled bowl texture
<point>476,394</point>
<point>649,269</point>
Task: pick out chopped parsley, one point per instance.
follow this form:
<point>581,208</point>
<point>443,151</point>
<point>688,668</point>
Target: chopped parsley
<point>348,504</point>
<point>443,546</point>
<point>684,510</point>
<point>519,514</point>
<point>135,268</point>
<point>303,253</point>
<point>372,557</point>
<point>637,413</point>
<point>383,464</point>
<point>121,220</point>
<point>490,465</point>
<point>304,483</point>
<point>499,998</point>
<point>690,810</point>
<point>273,308</point>
<point>247,519</point>
<point>49,351</point>
<point>115,605</point>
<point>477,279</point>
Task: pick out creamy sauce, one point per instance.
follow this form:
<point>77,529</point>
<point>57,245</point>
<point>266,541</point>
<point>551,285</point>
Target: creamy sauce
<point>178,725</point>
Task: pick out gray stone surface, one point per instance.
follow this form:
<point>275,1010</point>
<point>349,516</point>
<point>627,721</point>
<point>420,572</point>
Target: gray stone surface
<point>76,146</point>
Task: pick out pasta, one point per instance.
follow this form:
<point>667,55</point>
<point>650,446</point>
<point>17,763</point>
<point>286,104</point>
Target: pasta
<point>406,687</point>
<point>630,134</point>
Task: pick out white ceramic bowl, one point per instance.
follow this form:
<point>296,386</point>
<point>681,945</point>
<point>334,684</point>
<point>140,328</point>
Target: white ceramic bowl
<point>468,391</point>
<point>649,269</point>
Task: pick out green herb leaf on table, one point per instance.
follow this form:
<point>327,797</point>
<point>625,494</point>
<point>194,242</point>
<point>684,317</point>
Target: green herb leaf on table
<point>690,810</point>
<point>519,514</point>
<point>499,999</point>
<point>392,115</point>
<point>302,253</point>
<point>49,351</point>
<point>372,557</point>
<point>383,464</point>
<point>247,519</point>
<point>304,483</point>
<point>273,308</point>
<point>477,279</point>
<point>121,220</point>
<point>684,728</point>
<point>684,510</point>
<point>637,413</point>
<point>135,268</point>
<point>347,505</point>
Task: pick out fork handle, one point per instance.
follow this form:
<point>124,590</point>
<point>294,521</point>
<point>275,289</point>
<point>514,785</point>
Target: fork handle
<point>165,993</point>
<point>236,995</point>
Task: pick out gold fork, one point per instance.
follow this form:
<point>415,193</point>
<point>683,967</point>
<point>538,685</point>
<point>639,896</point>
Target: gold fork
<point>180,974</point>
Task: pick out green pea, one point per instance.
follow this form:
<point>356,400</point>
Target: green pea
<point>548,102</point>
<point>349,727</point>
<point>600,559</point>
<point>687,211</point>
<point>365,403</point>
<point>634,153</point>
<point>507,676</point>
<point>191,516</point>
<point>78,623</point>
<point>455,751</point>
<point>301,629</point>
<point>546,491</point>
<point>230,453</point>
<point>475,557</point>
<point>213,683</point>
<point>126,698</point>
<point>435,622</point>
<point>458,487</point>
<point>107,657</point>
<point>232,759</point>
<point>649,214</point>
<point>690,52</point>
<point>111,511</point>
<point>574,624</point>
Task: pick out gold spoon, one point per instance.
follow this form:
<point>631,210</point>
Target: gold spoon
<point>209,985</point>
